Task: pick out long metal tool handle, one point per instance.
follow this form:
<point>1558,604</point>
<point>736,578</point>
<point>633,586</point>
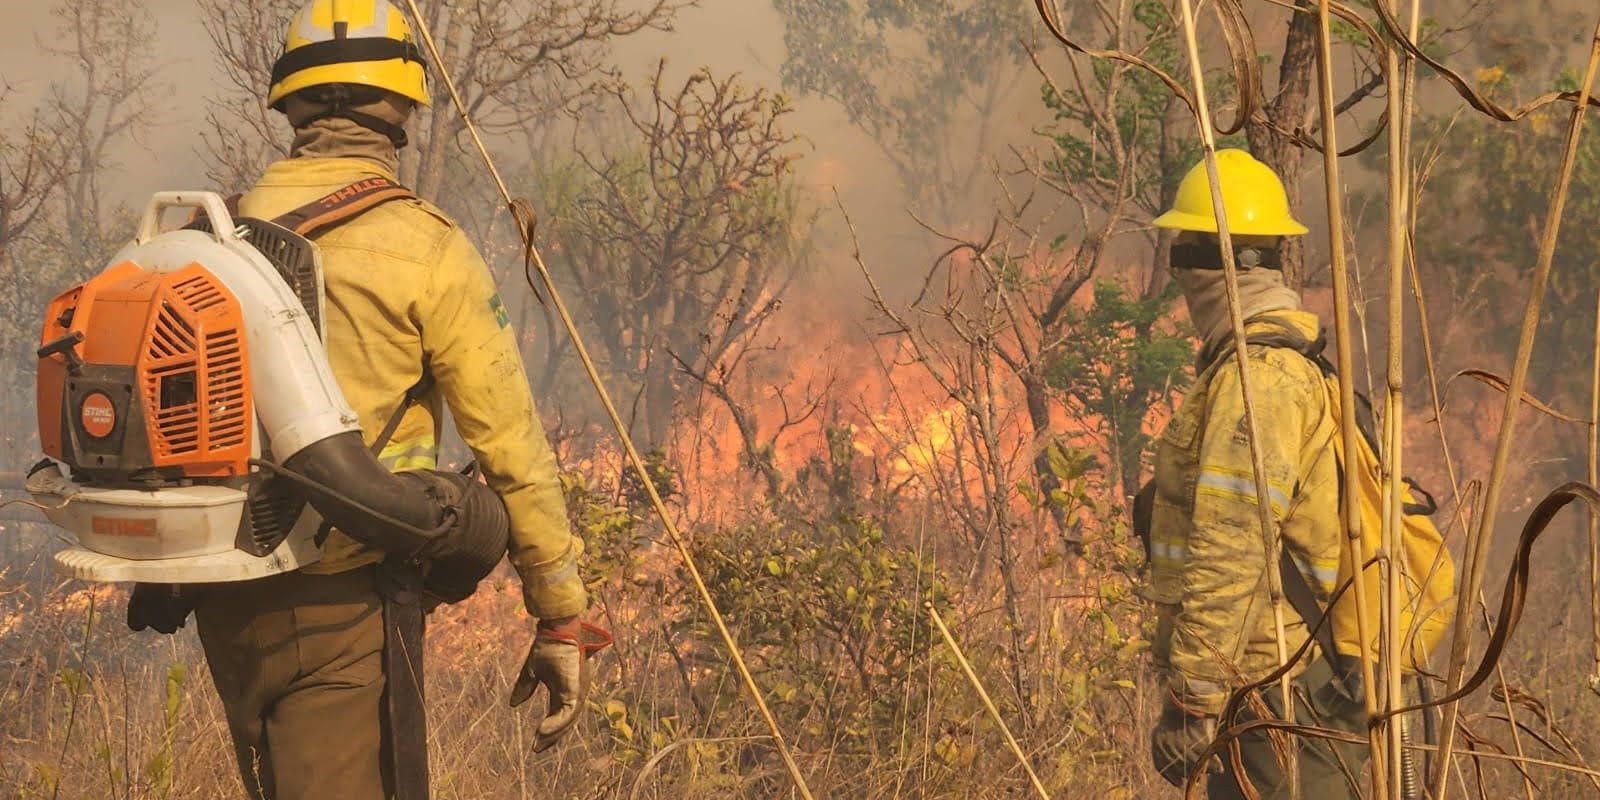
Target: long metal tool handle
<point>616,419</point>
<point>1397,70</point>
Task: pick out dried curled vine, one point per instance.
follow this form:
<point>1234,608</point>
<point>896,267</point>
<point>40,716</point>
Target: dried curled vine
<point>1247,75</point>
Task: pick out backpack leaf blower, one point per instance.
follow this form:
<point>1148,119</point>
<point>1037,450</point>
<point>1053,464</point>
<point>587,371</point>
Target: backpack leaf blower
<point>196,434</point>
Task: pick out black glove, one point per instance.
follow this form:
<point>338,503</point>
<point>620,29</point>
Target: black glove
<point>1177,742</point>
<point>163,606</point>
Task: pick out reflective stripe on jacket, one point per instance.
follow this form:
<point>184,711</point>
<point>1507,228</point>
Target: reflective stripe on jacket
<point>405,287</point>
<point>1209,562</point>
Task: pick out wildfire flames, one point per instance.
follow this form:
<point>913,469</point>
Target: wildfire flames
<point>825,384</point>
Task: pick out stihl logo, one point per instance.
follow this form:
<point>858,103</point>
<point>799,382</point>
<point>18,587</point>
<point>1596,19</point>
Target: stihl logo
<point>98,414</point>
<point>123,526</point>
<point>355,189</point>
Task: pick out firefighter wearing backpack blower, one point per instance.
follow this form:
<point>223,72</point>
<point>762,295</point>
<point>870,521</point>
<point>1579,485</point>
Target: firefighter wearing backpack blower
<point>1208,568</point>
<point>304,662</point>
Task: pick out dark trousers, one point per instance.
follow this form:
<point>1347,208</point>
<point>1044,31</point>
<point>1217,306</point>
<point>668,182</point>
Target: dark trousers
<point>1328,770</point>
<point>298,662</point>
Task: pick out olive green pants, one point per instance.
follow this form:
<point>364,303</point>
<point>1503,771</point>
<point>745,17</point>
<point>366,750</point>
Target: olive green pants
<point>298,662</point>
<point>1328,770</point>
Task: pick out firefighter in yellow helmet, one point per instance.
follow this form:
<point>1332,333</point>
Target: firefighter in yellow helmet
<point>320,699</point>
<point>1209,571</point>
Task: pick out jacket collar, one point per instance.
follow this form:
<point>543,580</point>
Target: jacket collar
<point>1295,322</point>
<point>323,172</point>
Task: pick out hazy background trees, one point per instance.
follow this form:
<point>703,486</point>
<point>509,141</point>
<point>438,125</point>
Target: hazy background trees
<point>877,284</point>
<point>680,240</point>
<point>926,81</point>
<point>60,217</point>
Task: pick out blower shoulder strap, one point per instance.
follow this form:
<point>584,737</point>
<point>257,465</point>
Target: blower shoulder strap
<point>333,209</point>
<point>1305,603</point>
<point>1282,334</point>
<point>338,207</point>
<point>330,211</point>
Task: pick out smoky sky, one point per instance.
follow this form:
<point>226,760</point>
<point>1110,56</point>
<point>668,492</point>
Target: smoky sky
<point>730,36</point>
<point>746,37</point>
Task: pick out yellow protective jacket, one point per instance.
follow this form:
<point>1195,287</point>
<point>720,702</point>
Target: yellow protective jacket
<point>406,288</point>
<point>1209,561</point>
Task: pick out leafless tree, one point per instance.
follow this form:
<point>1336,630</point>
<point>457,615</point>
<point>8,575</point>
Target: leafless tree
<point>1001,323</point>
<point>32,165</point>
<point>758,443</point>
<point>954,334</point>
<point>242,135</point>
<point>1110,154</point>
<point>58,214</point>
<point>112,44</point>
<point>680,241</point>
<point>925,80</point>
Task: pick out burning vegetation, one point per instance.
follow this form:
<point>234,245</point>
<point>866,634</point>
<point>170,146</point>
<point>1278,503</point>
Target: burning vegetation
<point>861,420</point>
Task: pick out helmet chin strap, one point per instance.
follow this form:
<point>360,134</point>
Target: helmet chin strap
<point>396,133</point>
<point>341,100</point>
<point>1208,256</point>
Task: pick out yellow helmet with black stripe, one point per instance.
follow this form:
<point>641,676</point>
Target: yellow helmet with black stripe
<point>360,42</point>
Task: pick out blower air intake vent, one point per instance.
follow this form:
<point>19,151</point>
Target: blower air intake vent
<point>271,512</point>
<point>290,254</point>
<point>170,387</point>
<point>194,376</point>
<point>200,292</point>
<point>225,409</point>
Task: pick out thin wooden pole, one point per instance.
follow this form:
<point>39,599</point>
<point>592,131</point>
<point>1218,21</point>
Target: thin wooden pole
<point>1271,543</point>
<point>1391,459</point>
<point>536,261</point>
<point>1478,546</point>
<point>1350,502</point>
<point>983,695</point>
<point>1594,515</point>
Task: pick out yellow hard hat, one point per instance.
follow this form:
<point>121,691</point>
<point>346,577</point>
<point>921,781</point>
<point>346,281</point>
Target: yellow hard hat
<point>364,42</point>
<point>1252,196</point>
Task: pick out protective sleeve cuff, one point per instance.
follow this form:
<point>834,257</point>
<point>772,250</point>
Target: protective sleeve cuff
<point>556,602</point>
<point>553,588</point>
<point>1197,698</point>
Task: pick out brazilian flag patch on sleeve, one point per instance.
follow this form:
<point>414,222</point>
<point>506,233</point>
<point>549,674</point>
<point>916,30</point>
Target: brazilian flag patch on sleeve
<point>499,308</point>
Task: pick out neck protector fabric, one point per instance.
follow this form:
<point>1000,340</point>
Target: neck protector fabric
<point>337,137</point>
<point>1205,291</point>
<point>364,130</point>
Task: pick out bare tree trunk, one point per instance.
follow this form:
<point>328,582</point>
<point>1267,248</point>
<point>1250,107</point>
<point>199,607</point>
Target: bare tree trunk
<point>1287,109</point>
<point>758,457</point>
<point>1008,573</point>
<point>659,392</point>
<point>997,483</point>
<point>443,121</point>
<point>1037,397</point>
<point>1175,123</point>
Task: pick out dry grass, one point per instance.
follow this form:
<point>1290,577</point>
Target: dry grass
<point>870,714</point>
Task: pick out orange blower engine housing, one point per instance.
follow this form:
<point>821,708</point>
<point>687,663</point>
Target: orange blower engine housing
<point>196,431</point>
<point>144,379</point>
